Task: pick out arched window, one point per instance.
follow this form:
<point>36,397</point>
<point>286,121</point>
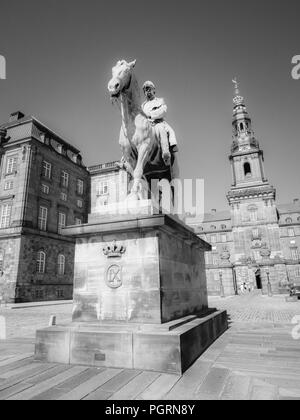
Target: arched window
<point>61,262</point>
<point>242,126</point>
<point>247,169</point>
<point>289,220</point>
<point>41,262</point>
<point>213,227</point>
<point>223,227</point>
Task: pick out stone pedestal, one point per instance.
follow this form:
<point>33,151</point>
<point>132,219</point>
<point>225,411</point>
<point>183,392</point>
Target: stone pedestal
<point>140,297</point>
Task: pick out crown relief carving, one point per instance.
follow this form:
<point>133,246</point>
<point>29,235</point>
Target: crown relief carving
<point>114,250</point>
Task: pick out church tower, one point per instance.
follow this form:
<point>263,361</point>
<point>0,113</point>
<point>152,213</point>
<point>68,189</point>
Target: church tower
<point>247,159</point>
<point>251,199</point>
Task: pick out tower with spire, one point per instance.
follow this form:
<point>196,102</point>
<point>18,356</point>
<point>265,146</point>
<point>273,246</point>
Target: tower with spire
<point>247,159</point>
<point>256,242</point>
<point>251,198</point>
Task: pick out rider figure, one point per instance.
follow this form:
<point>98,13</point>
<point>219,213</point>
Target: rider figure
<point>156,110</point>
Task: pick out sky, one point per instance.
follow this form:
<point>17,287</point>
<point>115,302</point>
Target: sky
<point>59,56</point>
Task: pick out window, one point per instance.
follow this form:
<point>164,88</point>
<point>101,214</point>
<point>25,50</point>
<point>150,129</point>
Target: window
<point>223,227</point>
<point>63,196</point>
<point>297,272</point>
<point>43,216</point>
<point>61,220</point>
<point>213,227</point>
<point>79,204</point>
<point>289,220</point>
<point>104,202</point>
<point>223,238</point>
<point>215,259</point>
<point>39,294</point>
<point>9,185</point>
<point>60,294</point>
<point>291,232</point>
<point>61,264</point>
<point>79,186</point>
<point>103,188</point>
<point>11,166</point>
<point>65,179</point>
<point>213,239</point>
<point>247,169</point>
<point>1,262</point>
<point>253,215</point>
<point>45,189</point>
<point>5,216</point>
<point>78,221</point>
<point>294,253</point>
<point>41,262</point>
<point>47,169</point>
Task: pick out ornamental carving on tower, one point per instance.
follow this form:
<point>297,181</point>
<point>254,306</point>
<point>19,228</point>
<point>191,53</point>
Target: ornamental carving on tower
<point>265,252</point>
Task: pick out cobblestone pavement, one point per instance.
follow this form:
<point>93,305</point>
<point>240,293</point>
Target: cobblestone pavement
<point>24,322</point>
<point>257,308</point>
<point>258,358</point>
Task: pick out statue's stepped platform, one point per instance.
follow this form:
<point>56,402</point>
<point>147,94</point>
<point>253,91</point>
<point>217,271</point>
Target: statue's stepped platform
<point>167,348</point>
<point>140,297</point>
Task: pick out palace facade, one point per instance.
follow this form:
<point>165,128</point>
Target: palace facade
<point>44,186</point>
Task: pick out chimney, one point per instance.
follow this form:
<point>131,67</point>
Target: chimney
<point>296,200</point>
<point>15,116</point>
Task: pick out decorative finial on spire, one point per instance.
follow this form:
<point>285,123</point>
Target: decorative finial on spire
<point>238,99</point>
<point>236,86</point>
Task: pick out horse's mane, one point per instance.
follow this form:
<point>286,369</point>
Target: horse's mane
<point>134,97</point>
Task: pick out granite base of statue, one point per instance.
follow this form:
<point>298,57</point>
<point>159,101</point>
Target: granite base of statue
<point>140,296</point>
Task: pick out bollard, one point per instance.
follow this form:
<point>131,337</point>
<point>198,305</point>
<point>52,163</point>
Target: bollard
<point>2,328</point>
<point>52,321</point>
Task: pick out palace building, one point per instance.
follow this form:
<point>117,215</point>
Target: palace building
<point>256,241</point>
<point>43,188</point>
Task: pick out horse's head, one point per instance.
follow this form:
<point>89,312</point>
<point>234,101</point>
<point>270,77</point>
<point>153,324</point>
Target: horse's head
<point>121,77</point>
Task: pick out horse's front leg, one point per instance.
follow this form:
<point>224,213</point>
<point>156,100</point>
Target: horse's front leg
<point>127,161</point>
<point>143,156</point>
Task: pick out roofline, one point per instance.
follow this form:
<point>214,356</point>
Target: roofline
<point>30,118</point>
<point>104,167</point>
<point>72,148</point>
